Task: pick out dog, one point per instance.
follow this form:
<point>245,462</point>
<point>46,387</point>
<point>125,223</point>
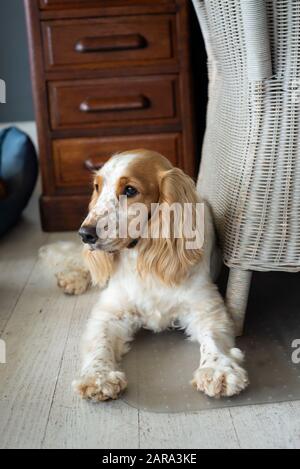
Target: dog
<point>148,282</point>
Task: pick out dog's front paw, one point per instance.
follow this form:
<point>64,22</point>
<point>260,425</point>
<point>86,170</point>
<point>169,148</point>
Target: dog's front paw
<point>100,386</point>
<point>220,379</point>
<point>73,282</point>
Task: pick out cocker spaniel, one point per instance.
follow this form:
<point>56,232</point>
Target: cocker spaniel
<point>149,281</point>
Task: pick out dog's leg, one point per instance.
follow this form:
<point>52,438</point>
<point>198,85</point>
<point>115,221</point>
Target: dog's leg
<point>106,339</point>
<point>220,372</point>
<point>74,281</point>
<point>65,259</point>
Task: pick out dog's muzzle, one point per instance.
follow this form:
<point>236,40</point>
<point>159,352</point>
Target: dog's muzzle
<point>88,234</point>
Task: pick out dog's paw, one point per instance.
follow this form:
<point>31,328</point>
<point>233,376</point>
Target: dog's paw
<point>100,386</point>
<point>220,379</point>
<point>73,282</point>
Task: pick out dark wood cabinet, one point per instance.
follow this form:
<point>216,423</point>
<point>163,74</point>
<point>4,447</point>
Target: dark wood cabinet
<point>108,76</point>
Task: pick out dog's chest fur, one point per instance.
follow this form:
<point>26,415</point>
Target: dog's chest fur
<point>157,305</point>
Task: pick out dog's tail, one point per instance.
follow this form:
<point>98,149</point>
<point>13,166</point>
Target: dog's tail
<point>62,256</point>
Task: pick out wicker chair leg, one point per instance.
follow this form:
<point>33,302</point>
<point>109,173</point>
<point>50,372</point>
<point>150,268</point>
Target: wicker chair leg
<point>237,296</point>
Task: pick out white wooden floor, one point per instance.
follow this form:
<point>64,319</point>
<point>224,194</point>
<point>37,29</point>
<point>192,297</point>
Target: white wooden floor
<point>42,329</point>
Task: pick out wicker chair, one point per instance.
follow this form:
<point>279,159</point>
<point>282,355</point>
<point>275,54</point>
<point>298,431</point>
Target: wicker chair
<point>250,170</point>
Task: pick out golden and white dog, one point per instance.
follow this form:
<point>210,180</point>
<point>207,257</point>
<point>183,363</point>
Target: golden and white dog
<point>148,283</point>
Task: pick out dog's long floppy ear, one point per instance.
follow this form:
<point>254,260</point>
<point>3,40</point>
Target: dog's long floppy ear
<point>171,257</point>
<point>100,265</point>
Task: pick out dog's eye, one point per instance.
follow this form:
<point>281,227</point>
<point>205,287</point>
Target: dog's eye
<point>130,191</point>
<point>96,187</point>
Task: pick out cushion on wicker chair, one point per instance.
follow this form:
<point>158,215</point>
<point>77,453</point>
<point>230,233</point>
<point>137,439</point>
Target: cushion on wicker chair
<point>18,175</point>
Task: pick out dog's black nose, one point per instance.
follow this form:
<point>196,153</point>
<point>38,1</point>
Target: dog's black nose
<point>88,234</point>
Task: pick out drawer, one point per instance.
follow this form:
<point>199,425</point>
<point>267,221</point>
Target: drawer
<point>74,159</point>
<point>62,4</point>
<point>59,4</point>
<point>109,42</point>
<point>113,103</point>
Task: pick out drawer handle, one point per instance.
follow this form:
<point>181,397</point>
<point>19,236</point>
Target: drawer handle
<point>111,43</point>
<point>91,166</point>
<point>123,103</point>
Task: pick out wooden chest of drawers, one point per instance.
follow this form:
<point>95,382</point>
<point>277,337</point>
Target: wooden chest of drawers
<point>108,76</point>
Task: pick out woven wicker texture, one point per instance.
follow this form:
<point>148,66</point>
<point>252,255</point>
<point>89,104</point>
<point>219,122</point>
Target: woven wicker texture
<point>250,170</point>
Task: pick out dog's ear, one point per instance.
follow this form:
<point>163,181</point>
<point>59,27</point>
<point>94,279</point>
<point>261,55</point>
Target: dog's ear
<point>168,254</point>
<point>100,265</point>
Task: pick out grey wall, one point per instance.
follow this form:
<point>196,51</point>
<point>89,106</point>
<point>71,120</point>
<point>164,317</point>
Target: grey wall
<point>14,63</point>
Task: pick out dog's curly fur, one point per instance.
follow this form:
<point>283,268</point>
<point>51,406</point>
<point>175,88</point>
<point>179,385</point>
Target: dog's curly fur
<point>151,285</point>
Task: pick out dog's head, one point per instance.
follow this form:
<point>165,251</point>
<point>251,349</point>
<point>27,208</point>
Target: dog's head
<point>125,213</point>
